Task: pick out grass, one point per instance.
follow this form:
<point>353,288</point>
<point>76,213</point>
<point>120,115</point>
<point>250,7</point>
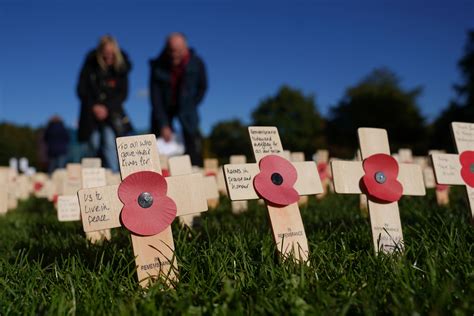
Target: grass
<point>228,265</point>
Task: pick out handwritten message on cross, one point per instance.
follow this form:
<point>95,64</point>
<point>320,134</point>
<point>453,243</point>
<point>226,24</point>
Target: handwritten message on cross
<point>280,183</point>
<point>458,169</point>
<point>384,181</point>
<point>146,203</point>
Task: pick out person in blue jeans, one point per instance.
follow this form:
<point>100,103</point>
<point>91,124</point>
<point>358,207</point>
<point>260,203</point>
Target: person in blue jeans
<point>102,89</point>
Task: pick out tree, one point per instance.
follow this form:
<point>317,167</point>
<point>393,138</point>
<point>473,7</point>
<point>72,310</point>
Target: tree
<point>18,141</point>
<point>377,101</point>
<point>299,123</point>
<point>229,138</point>
<point>461,109</point>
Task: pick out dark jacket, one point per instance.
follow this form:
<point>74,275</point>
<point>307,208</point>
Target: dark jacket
<point>56,137</point>
<point>97,86</point>
<point>191,92</point>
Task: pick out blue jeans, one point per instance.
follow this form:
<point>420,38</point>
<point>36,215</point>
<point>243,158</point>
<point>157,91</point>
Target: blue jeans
<point>56,163</point>
<point>102,144</point>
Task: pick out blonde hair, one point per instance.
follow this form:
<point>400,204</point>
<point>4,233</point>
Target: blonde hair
<point>119,63</point>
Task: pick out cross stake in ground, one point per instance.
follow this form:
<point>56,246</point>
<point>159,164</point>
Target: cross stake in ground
<point>458,169</point>
<point>384,181</point>
<point>146,203</point>
<point>280,183</point>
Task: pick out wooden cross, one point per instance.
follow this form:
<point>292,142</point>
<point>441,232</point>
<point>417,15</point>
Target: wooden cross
<point>287,226</point>
<point>441,190</point>
<point>180,166</point>
<point>93,175</point>
<point>405,155</point>
<point>4,188</point>
<point>298,156</point>
<point>154,254</point>
<point>68,205</point>
<point>322,161</point>
<point>211,168</point>
<point>384,217</point>
<point>237,206</point>
<point>448,168</point>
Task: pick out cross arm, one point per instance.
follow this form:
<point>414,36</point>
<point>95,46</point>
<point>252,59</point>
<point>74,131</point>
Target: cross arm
<point>447,168</point>
<point>347,175</point>
<point>239,180</point>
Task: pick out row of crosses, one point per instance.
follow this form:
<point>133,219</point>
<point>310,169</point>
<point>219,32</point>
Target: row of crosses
<point>146,203</point>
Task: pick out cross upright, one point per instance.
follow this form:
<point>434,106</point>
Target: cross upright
<point>181,165</point>
<point>384,181</point>
<point>279,183</point>
<point>458,169</point>
<point>146,203</point>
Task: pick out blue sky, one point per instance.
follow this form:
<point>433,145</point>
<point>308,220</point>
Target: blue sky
<point>250,49</point>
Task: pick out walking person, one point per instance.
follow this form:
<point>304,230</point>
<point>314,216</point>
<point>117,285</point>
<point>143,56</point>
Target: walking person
<point>102,89</point>
<point>178,83</point>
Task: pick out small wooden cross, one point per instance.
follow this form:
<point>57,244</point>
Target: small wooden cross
<point>287,226</point>
<point>458,169</point>
<point>93,175</point>
<point>237,206</point>
<point>154,254</point>
<point>384,216</point>
<point>441,190</point>
<point>211,168</point>
<point>405,155</point>
<point>68,205</point>
<point>180,166</point>
<point>322,161</point>
<point>298,156</point>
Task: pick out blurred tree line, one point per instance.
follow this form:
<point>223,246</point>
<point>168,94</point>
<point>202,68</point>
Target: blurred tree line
<point>19,141</point>
<point>378,100</point>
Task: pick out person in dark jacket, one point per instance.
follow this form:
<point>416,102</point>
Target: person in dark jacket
<point>178,83</point>
<point>56,138</point>
<point>102,89</point>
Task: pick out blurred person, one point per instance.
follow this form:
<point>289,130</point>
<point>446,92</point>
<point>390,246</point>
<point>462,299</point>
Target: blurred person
<point>178,83</point>
<point>102,89</point>
<point>56,138</point>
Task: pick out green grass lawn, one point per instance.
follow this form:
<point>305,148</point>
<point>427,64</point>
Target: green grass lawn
<point>228,265</point>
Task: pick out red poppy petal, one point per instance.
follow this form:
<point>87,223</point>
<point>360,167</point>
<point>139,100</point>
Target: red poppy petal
<point>274,163</point>
<point>165,172</point>
<point>466,158</point>
<point>323,170</point>
<point>139,182</point>
<point>381,162</point>
<point>211,174</point>
<point>390,191</point>
<point>441,187</point>
<point>467,176</point>
<point>149,221</point>
<point>275,194</point>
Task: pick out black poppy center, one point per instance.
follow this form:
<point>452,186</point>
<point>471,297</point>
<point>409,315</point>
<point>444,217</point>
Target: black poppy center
<point>277,178</point>
<point>471,167</point>
<point>145,200</point>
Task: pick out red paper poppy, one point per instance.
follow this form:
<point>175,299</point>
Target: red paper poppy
<point>441,187</point>
<point>55,199</point>
<point>275,181</point>
<point>146,208</point>
<point>323,170</point>
<point>467,171</point>
<point>38,186</point>
<point>165,172</point>
<point>211,174</point>
<point>380,180</point>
